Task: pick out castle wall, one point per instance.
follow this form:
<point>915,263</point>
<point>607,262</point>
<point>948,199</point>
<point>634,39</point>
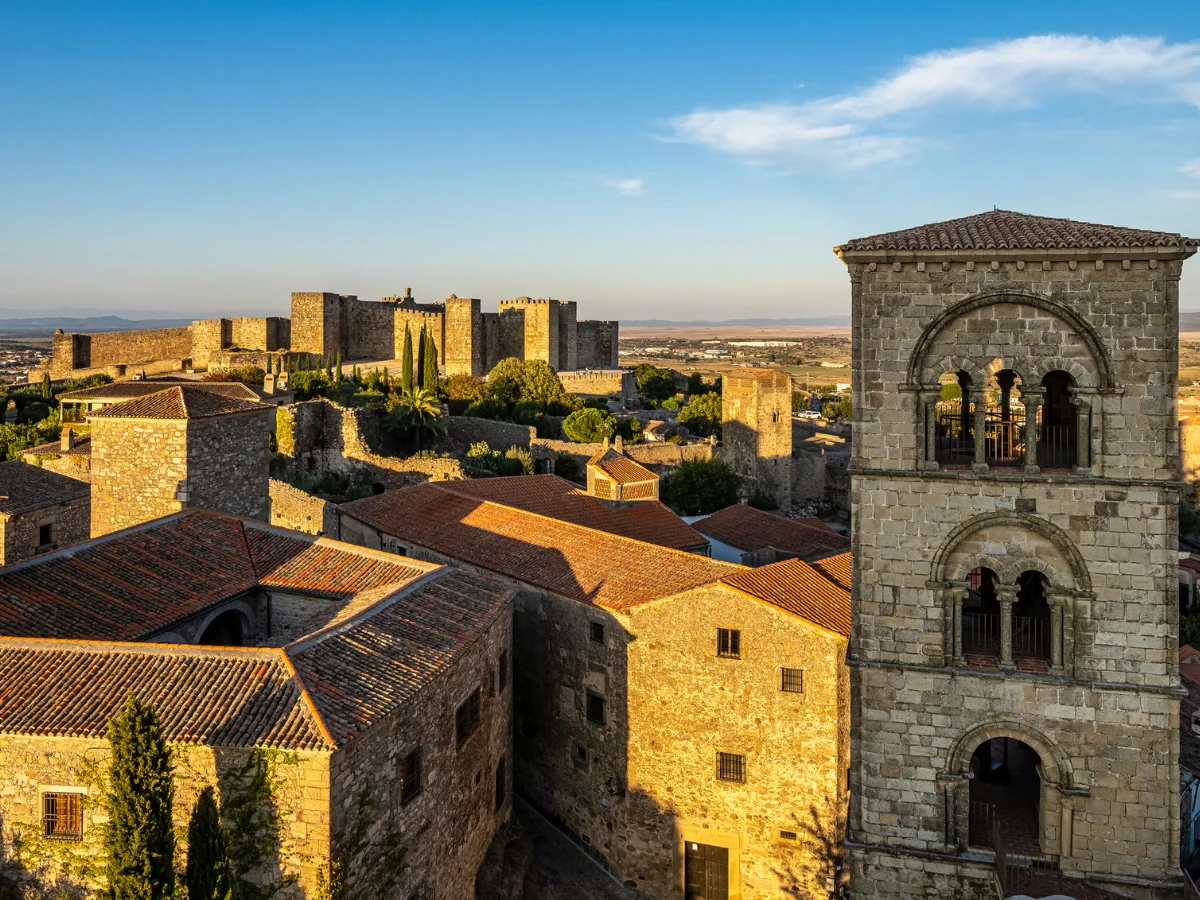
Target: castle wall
<point>464,352</point>
<point>597,344</point>
<point>209,338</point>
<point>756,431</point>
<point>435,322</point>
<point>316,323</point>
<point>369,330</point>
<point>601,383</point>
<point>110,348</point>
<point>542,324</point>
<point>568,337</point>
<point>260,333</point>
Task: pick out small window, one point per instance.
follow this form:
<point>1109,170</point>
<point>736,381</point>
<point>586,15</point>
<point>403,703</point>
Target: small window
<point>500,784</point>
<point>787,835</point>
<point>580,754</point>
<point>466,717</point>
<point>503,669</point>
<point>62,816</point>
<point>46,534</point>
<point>731,767</point>
<point>729,643</point>
<point>793,681</point>
<point>595,708</point>
<point>491,683</point>
<point>410,777</point>
<point>597,632</point>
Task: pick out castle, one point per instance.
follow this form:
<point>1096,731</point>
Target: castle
<point>469,341</point>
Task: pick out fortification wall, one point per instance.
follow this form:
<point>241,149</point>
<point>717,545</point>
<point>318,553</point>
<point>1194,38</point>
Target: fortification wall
<point>468,430</point>
<point>293,508</point>
<point>463,335</point>
<point>209,337</point>
<point>541,320</point>
<point>258,333</point>
<point>415,319</point>
<point>568,337</point>
<point>70,352</point>
<point>316,322</point>
<point>660,458</point>
<point>601,383</point>
<point>366,330</point>
<point>597,344</point>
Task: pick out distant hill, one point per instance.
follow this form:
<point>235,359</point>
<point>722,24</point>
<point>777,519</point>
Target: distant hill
<point>40,326</point>
<point>1189,320</point>
<point>757,323</point>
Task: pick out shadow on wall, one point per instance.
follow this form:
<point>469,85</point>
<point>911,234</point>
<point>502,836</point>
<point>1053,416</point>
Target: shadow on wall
<point>768,472</point>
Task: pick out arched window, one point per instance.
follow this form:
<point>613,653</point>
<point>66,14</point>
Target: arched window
<point>1058,429</point>
<point>1031,623</point>
<point>1005,798</point>
<point>954,430</point>
<point>224,631</point>
<point>1004,421</point>
<point>981,620</point>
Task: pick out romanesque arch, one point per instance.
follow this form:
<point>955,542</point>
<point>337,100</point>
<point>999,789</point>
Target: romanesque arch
<point>945,566</point>
<point>1056,765</point>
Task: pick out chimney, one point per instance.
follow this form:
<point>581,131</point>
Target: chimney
<point>67,441</point>
<point>606,442</point>
<point>619,444</point>
<point>269,384</point>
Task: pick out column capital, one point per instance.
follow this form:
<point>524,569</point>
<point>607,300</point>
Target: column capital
<point>1006,593</point>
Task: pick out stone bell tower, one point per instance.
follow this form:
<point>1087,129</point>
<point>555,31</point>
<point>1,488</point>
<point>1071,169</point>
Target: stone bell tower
<point>1015,484</point>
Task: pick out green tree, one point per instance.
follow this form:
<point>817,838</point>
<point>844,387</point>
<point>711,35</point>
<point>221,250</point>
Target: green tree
<point>419,358</point>
<point>697,385</point>
<point>337,369</point>
<point>799,401</point>
<point>207,873</point>
<point>139,840</point>
<point>701,486</point>
<point>838,409</point>
<point>702,415</point>
<point>533,382</point>
<point>406,365</point>
<point>461,391</point>
<point>47,390</point>
<point>413,416</point>
<point>430,364</point>
<point>654,383</point>
<point>587,426</point>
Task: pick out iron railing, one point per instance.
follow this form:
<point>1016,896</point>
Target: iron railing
<point>981,632</point>
<point>981,824</point>
<point>1037,876</point>
<point>1056,446</point>
<point>1031,637</point>
<point>954,436</point>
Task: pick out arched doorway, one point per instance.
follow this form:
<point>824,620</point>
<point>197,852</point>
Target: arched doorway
<point>1004,421</point>
<point>224,631</point>
<point>1005,797</point>
<point>1031,631</point>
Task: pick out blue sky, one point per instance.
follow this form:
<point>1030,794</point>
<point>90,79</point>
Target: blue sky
<point>645,159</point>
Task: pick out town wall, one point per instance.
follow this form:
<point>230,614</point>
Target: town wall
<point>20,535</point>
<point>468,430</point>
<point>367,330</point>
<point>209,338</point>
<point>316,322</point>
<point>137,467</point>
<point>228,462</point>
<point>300,824</point>
<point>97,351</point>
<point>268,333</point>
<point>464,352</point>
<point>445,830</point>
<point>619,383</point>
<point>598,343</point>
<point>542,326</point>
<point>293,508</point>
<point>568,337</point>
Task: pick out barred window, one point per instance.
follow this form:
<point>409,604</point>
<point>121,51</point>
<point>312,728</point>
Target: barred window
<point>466,717</point>
<point>595,708</point>
<point>597,632</point>
<point>793,681</point>
<point>62,816</point>
<point>731,767</point>
<point>503,668</point>
<point>410,777</point>
<point>729,643</point>
<point>787,835</point>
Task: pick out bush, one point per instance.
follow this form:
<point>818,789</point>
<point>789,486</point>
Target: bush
<point>838,409</point>
<point>654,383</point>
<point>309,384</point>
<point>672,403</point>
<point>481,456</point>
<point>244,374</point>
<point>800,402</point>
<point>566,466</point>
<point>533,382</point>
<point>630,430</point>
<point>519,461</point>
<point>460,391</point>
<point>19,437</point>
<point>697,385</point>
<point>487,408</point>
<point>587,426</point>
<point>702,415</point>
<point>761,499</point>
<point>701,486</point>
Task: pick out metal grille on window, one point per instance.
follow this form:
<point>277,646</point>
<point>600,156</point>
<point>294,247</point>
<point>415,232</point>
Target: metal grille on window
<point>62,816</point>
<point>466,717</point>
<point>731,767</point>
<point>729,643</point>
<point>793,681</point>
<point>410,777</point>
<point>597,632</point>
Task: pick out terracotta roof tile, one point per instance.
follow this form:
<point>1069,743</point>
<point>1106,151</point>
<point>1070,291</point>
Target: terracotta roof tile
<point>573,561</point>
<point>120,391</point>
<point>798,588</point>
<point>620,468</point>
<point>549,495</point>
<point>179,402</point>
<point>750,529</point>
<point>1189,741</point>
<point>82,447</point>
<point>1004,230</point>
<point>24,488</point>
<point>836,569</point>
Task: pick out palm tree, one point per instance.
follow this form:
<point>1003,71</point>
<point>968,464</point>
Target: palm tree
<point>413,415</point>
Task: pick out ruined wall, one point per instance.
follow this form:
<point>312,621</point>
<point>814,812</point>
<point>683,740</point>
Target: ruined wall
<point>447,828</point>
<point>568,337</point>
<point>316,323</point>
<point>34,764</point>
<point>137,467</point>
<point>293,508</point>
<point>227,463</point>
<point>20,536</point>
<point>468,430</point>
<point>756,431</point>
<point>598,344</point>
<point>464,339</point>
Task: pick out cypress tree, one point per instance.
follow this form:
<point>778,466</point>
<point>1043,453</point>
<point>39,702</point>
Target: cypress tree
<point>139,840</point>
<point>208,852</point>
<point>337,374</point>
<point>406,371</point>
<point>420,360</point>
<point>431,363</point>
<point>269,367</point>
<point>47,392</point>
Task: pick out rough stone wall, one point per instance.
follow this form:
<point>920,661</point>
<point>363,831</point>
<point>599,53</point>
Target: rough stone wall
<point>503,336</point>
<point>369,330</point>
<point>209,338</point>
<point>34,764</point>
<point>468,430</point>
<point>568,337</point>
<point>316,323</point>
<point>20,535</point>
<point>78,467</point>
<point>542,327</point>
<point>598,344</point>
<point>1106,730</point>
<point>660,458</point>
<point>686,705</point>
<point>258,333</point>
<point>435,322</point>
<point>464,352</point>
<point>110,348</point>
<point>446,830</point>
<point>601,383</point>
<point>293,508</point>
<point>137,465</point>
<point>228,461</point>
<point>756,431</point>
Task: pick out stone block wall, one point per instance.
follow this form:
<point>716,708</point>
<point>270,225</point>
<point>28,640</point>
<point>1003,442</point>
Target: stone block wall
<point>468,430</point>
<point>598,344</point>
<point>568,337</point>
<point>227,463</point>
<point>209,338</point>
<point>541,339</point>
<point>446,829</point>
<point>434,322</point>
<point>97,351</point>
<point>20,536</point>
<point>137,467</point>
<point>601,383</point>
<point>464,352</point>
<point>293,508</point>
<point>756,431</point>
<point>316,322</point>
<point>367,330</point>
<point>257,333</point>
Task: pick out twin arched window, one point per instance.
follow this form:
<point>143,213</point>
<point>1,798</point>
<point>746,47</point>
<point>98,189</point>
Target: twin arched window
<point>1007,626</point>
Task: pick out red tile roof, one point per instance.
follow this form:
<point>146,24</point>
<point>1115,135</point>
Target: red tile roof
<point>798,588</point>
<point>1191,564</point>
<point>620,468</point>
<point>119,391</point>
<point>1004,230</point>
<point>82,447</point>
<point>549,495</point>
<point>750,529</point>
<point>835,568</point>
<point>24,488</point>
<point>179,402</point>
<point>570,560</point>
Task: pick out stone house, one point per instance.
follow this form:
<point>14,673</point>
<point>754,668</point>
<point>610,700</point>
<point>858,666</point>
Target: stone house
<point>181,445</point>
<point>614,477</point>
<point>70,455</point>
<point>375,691</point>
<point>752,537</point>
<point>685,719</point>
<point>1015,499</point>
<point>74,406</point>
<point>40,511</point>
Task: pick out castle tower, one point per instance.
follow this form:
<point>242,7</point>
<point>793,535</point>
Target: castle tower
<point>1015,501</point>
<point>756,431</point>
<point>464,353</point>
<point>542,327</point>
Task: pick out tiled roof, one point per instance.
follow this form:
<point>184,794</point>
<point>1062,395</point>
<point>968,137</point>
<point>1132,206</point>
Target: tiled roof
<point>1188,653</point>
<point>620,468</point>
<point>1191,564</point>
<point>750,529</point>
<point>1001,229</point>
<point>24,488</point>
<point>549,495</point>
<point>798,588</point>
<point>130,390</point>
<point>82,447</point>
<point>179,402</point>
<point>570,560</point>
<point>1189,741</point>
<point>835,568</point>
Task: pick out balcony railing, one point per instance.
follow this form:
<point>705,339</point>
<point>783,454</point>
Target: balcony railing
<point>981,632</point>
<point>1031,637</point>
<point>1056,446</point>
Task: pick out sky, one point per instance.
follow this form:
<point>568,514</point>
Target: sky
<point>647,160</point>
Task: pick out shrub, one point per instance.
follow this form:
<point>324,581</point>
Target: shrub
<point>702,415</point>
<point>244,374</point>
<point>487,408</point>
<point>654,383</point>
<point>566,466</point>
<point>672,403</point>
<point>532,381</point>
<point>701,486</point>
<point>522,458</point>
<point>800,402</point>
<point>761,499</point>
<point>481,456</point>
<point>21,436</point>
<point>630,430</point>
<point>309,384</point>
<point>587,426</point>
<point>838,409</point>
<point>460,391</point>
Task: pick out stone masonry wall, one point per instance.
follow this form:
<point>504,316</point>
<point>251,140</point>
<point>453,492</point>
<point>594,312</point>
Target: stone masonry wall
<point>464,350</point>
<point>598,344</point>
<point>541,328</point>
<point>468,430</point>
<point>316,322</point>
<point>228,461</point>
<point>293,508</point>
<point>137,465</point>
<point>21,535</point>
<point>209,338</point>
<point>568,337</point>
<point>96,351</point>
<point>34,764</point>
<point>756,433</point>
<point>369,330</point>
<point>601,383</point>
<point>446,830</point>
<point>435,322</point>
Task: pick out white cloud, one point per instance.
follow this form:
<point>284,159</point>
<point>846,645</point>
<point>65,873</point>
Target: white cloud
<point>630,187</point>
<point>858,130</point>
<point>1191,168</point>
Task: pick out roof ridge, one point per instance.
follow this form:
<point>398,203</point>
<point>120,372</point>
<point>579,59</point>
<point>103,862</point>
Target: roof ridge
<point>134,648</point>
<point>305,696</point>
<point>70,550</point>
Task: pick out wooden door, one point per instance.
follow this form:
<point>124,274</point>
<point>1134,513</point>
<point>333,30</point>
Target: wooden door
<point>705,872</point>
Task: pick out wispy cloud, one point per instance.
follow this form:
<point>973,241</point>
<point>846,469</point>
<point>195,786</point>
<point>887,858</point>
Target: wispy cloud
<point>861,129</point>
<point>1191,168</point>
<point>630,187</point>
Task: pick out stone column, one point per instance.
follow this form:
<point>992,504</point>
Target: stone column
<point>1083,433</point>
<point>980,410</point>
<point>1055,602</point>
<point>931,400</point>
<point>1062,614</point>
<point>955,802</point>
<point>1033,402</point>
<point>958,593</point>
<point>1006,594</point>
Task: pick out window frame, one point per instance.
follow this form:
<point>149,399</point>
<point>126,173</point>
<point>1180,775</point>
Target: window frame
<point>467,717</point>
<point>784,673</point>
<point>73,813</point>
<point>411,770</point>
<point>596,632</point>
<point>733,764</point>
<point>729,643</point>
<point>603,708</point>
